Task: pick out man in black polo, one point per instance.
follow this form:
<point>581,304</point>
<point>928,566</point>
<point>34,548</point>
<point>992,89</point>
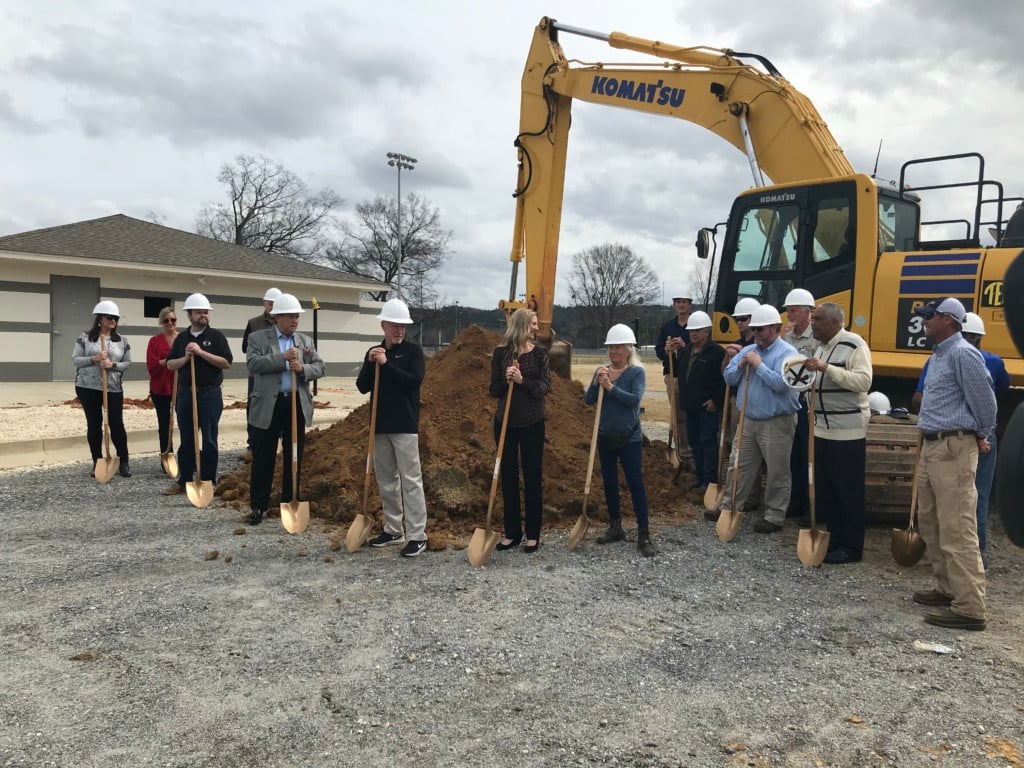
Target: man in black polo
<point>209,349</point>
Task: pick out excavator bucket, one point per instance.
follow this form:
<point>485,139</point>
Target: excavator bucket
<point>560,357</point>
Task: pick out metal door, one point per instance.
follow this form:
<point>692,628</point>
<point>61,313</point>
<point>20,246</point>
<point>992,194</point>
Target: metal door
<point>71,303</point>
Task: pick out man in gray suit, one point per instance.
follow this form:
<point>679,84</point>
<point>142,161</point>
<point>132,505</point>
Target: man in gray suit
<point>271,357</point>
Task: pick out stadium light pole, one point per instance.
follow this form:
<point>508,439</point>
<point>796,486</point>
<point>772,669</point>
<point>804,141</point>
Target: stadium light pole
<point>399,162</point>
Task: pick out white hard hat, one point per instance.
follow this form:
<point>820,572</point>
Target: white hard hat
<point>272,294</point>
<point>395,311</point>
<point>973,324</point>
<point>682,293</point>
<point>878,403</point>
<point>285,304</point>
<point>764,315</point>
<point>197,301</point>
<point>796,374</point>
<point>620,333</point>
<point>698,321</point>
<point>746,306</point>
<point>799,297</point>
<point>107,307</point>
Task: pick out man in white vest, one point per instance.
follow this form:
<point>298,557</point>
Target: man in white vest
<point>842,364</point>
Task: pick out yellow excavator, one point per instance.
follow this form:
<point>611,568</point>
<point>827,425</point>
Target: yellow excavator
<point>818,225</point>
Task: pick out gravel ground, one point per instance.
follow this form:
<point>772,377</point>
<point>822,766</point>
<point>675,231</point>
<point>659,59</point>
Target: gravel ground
<point>125,641</point>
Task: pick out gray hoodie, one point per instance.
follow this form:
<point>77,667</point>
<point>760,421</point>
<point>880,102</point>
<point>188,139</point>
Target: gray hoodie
<point>88,376</point>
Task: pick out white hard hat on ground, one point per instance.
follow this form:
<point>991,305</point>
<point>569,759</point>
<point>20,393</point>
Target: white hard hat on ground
<point>764,315</point>
<point>973,324</point>
<point>878,403</point>
<point>272,294</point>
<point>286,304</point>
<point>106,307</point>
<point>698,321</point>
<point>799,297</point>
<point>395,311</point>
<point>197,301</point>
<point>745,306</point>
<point>620,333</point>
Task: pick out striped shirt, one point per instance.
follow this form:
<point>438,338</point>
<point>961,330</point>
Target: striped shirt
<point>957,390</point>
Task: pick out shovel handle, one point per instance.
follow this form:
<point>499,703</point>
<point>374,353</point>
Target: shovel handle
<point>295,445</point>
<point>593,447</point>
<point>726,404</point>
<point>738,442</point>
<point>913,485</point>
<point>810,452</point>
<point>373,433</point>
<point>198,475</point>
<point>106,407</point>
<point>170,426</point>
<point>501,448</point>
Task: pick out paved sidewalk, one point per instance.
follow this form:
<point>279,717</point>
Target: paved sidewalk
<point>39,450</point>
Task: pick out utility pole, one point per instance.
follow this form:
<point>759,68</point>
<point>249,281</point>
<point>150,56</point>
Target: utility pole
<point>400,161</point>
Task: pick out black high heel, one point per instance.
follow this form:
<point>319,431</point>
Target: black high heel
<point>531,548</point>
<point>502,546</point>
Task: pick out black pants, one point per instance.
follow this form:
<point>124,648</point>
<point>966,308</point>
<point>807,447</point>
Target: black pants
<point>92,404</point>
<point>162,406</point>
<point>799,501</point>
<point>523,445</point>
<point>210,405</point>
<point>839,491</point>
<point>264,454</point>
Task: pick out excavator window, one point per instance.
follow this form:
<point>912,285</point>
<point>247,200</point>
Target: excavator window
<point>834,234</point>
<point>767,239</point>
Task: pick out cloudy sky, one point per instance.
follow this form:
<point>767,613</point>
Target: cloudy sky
<point>130,107</point>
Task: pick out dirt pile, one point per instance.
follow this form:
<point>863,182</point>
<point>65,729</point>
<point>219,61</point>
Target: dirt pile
<point>457,451</point>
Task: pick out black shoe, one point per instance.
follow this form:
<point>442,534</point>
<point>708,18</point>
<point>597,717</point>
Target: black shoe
<point>954,620</point>
<point>501,546</point>
<point>614,533</point>
<point>255,517</point>
<point>644,545</point>
<point>933,597</point>
<point>841,555</point>
<point>765,526</point>
<point>413,549</point>
<point>712,515</point>
<point>531,548</point>
<point>124,470</point>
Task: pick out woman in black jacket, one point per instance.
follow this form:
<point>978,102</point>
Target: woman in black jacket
<point>701,393</point>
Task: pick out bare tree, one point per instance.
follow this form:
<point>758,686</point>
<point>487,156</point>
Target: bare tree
<point>269,208</point>
<point>609,282</point>
<point>370,247</point>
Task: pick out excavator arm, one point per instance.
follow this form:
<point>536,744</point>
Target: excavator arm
<point>759,113</point>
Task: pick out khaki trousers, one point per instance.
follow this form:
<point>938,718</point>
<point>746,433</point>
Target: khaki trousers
<point>396,462</point>
<point>946,502</point>
<point>768,442</point>
<point>683,450</point>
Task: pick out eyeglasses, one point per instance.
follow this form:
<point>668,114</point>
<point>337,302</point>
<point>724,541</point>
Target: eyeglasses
<point>112,318</point>
<point>760,328</point>
<point>741,318</point>
<point>169,320</point>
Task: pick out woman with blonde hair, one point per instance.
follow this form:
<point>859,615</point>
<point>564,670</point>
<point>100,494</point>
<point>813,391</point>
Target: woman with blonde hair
<point>619,436</point>
<point>161,379</point>
<point>522,364</point>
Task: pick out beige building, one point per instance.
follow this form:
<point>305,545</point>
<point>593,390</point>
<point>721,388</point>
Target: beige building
<point>50,280</point>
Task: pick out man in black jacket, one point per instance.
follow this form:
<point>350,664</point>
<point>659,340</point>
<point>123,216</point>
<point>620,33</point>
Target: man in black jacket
<point>701,394</point>
<point>396,447</point>
<point>672,338</point>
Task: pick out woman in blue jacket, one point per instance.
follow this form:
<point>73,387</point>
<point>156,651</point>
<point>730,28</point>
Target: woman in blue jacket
<point>619,437</point>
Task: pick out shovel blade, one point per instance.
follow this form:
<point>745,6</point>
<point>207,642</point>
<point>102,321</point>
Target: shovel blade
<point>481,545</point>
<point>199,492</point>
<point>812,546</point>
<point>170,462</point>
<point>579,530</point>
<point>358,533</point>
<point>907,547</point>
<point>105,469</point>
<point>295,516</point>
<point>728,525</point>
<point>713,497</point>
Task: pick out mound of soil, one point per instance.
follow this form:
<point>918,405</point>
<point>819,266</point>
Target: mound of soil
<point>457,452</point>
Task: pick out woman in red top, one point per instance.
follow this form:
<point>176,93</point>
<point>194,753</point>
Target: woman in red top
<point>160,379</point>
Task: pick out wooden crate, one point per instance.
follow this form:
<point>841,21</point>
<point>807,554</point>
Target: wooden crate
<point>889,469</point>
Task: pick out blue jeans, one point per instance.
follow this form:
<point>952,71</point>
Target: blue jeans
<point>983,482</point>
<point>209,404</point>
<point>702,432</point>
<point>631,457</point>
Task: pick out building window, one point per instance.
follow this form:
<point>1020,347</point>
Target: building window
<point>151,305</point>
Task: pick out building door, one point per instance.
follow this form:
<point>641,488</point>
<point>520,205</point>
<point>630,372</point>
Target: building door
<point>71,303</point>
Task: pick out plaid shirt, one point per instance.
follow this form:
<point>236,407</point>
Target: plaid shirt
<point>957,390</point>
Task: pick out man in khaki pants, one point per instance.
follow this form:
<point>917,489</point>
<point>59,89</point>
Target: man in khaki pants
<point>958,416</point>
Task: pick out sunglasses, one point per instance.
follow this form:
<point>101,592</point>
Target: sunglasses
<point>741,318</point>
<point>760,328</point>
<point>169,320</point>
<point>112,318</point>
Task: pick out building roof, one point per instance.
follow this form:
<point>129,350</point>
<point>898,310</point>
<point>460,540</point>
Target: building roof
<point>122,238</point>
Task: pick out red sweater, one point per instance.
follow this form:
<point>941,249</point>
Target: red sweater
<point>160,379</point>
